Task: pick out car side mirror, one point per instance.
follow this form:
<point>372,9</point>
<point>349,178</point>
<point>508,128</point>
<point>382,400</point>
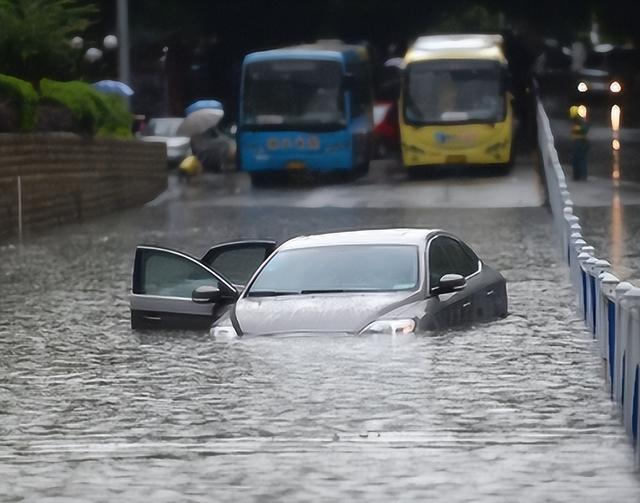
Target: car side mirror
<point>450,283</point>
<point>206,294</point>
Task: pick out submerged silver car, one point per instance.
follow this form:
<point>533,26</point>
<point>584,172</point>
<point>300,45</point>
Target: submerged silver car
<point>390,281</point>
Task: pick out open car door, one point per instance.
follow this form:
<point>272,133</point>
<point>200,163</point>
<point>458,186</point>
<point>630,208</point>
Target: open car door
<point>171,289</point>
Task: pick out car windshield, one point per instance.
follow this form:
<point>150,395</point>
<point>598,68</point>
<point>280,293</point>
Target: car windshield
<point>163,127</point>
<point>445,91</point>
<point>370,268</point>
<point>285,93</point>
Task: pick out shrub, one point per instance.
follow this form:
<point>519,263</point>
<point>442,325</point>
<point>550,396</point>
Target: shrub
<point>117,119</point>
<point>22,97</point>
<point>77,97</point>
<point>94,112</point>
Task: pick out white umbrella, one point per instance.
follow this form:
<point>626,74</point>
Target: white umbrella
<point>199,121</point>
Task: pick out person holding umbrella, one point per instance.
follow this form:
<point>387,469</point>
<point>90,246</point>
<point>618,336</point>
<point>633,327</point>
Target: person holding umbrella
<point>579,130</point>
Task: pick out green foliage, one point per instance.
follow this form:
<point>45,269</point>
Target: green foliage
<point>94,112</point>
<point>35,34</point>
<point>472,18</point>
<point>117,121</point>
<point>23,96</point>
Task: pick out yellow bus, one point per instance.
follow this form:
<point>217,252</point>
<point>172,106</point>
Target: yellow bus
<point>455,106</point>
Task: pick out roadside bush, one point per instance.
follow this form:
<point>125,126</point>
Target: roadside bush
<point>93,112</point>
<point>117,120</point>
<point>18,101</point>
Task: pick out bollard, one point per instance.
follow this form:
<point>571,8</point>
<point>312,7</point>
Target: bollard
<point>588,283</point>
<point>576,268</point>
<point>569,219</point>
<point>590,297</point>
<point>631,304</point>
<point>581,283</point>
<point>599,318</point>
<point>574,264</point>
<point>607,326</point>
<point>621,340</point>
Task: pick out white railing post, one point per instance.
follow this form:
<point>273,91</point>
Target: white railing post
<point>608,330</point>
<point>582,284</point>
<point>599,316</point>
<point>621,339</point>
<point>631,304</point>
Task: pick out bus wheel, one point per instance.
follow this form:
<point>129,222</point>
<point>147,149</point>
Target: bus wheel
<point>362,169</point>
<point>261,179</point>
<point>503,169</point>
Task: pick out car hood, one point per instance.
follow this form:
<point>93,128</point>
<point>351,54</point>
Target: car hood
<point>332,313</point>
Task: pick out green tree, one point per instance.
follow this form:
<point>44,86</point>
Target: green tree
<point>35,34</point>
<point>469,18</point>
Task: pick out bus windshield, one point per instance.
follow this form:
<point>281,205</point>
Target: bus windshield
<point>454,91</point>
<point>293,93</point>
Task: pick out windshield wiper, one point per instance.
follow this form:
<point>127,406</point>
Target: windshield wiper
<point>270,293</point>
<point>339,290</point>
<point>328,290</point>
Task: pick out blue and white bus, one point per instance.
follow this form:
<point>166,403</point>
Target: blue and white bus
<point>308,107</point>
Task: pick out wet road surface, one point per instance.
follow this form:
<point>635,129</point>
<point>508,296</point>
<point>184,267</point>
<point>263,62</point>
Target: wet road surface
<point>515,410</point>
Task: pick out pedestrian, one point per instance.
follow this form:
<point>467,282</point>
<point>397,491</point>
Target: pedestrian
<point>189,168</point>
<point>579,130</point>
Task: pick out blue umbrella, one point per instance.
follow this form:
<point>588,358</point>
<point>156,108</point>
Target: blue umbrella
<point>114,87</point>
<point>201,104</point>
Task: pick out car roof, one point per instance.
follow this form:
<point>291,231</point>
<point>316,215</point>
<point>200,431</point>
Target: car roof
<point>406,236</point>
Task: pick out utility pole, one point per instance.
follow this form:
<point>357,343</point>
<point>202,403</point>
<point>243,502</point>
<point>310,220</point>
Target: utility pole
<point>124,74</point>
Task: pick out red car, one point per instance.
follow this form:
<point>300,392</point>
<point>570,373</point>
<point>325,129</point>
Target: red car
<point>386,135</point>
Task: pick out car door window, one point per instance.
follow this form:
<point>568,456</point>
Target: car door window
<point>238,265</point>
<point>171,275</point>
<point>439,263</point>
<point>237,261</point>
<point>446,256</point>
<point>461,262</point>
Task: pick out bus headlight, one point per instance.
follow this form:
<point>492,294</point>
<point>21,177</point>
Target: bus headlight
<point>582,87</point>
<point>390,327</point>
<point>615,87</point>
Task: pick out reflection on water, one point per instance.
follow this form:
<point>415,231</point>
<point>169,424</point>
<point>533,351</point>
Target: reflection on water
<point>617,231</point>
<point>615,117</point>
<point>615,165</point>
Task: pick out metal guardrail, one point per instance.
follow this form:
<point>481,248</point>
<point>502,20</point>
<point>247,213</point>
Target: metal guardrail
<point>610,307</point>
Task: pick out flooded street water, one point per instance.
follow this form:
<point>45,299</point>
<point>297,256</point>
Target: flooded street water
<point>514,410</point>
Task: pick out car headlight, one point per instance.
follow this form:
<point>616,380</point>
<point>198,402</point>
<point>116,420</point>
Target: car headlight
<point>582,87</point>
<point>390,327</point>
<point>615,87</point>
<point>224,333</point>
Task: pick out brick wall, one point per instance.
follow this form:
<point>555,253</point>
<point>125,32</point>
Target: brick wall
<point>70,179</point>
